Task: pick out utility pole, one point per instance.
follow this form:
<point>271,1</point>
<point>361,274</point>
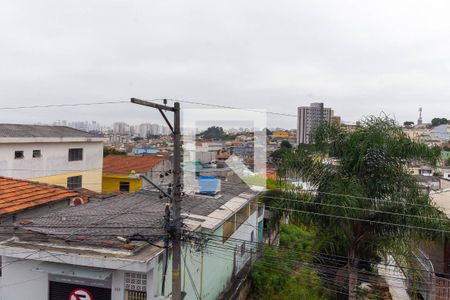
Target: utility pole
<point>176,198</point>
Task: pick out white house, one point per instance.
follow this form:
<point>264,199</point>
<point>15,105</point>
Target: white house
<point>51,154</point>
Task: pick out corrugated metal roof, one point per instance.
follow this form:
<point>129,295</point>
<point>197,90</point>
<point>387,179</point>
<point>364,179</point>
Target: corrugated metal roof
<point>123,165</point>
<point>18,194</point>
<point>23,130</point>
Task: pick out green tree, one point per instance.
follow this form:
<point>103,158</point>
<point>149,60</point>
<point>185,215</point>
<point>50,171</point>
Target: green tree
<point>366,199</point>
<point>447,162</point>
<point>285,146</point>
<point>408,124</point>
<point>215,132</point>
<point>438,121</point>
<point>277,275</point>
<point>108,151</point>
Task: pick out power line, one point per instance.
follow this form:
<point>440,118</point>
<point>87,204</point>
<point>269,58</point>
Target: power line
<point>153,100</point>
<point>231,107</point>
<point>360,209</point>
<point>364,198</point>
<point>361,220</point>
<point>61,105</point>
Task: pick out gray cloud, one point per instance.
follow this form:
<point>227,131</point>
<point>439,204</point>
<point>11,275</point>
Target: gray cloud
<point>359,57</point>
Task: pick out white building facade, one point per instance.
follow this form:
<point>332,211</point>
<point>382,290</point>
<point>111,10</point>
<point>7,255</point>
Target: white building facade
<point>51,154</point>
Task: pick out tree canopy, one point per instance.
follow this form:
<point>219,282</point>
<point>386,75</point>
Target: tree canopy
<point>366,203</point>
<point>438,121</point>
<point>408,124</point>
<point>109,151</point>
<point>215,132</point>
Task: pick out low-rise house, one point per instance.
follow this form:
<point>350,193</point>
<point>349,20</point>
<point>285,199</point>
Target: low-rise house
<point>117,170</point>
<point>75,251</point>
<point>57,155</point>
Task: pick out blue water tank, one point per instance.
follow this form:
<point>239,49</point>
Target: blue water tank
<point>208,185</point>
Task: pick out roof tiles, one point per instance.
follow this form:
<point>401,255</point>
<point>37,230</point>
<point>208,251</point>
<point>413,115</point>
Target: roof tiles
<point>123,165</point>
<point>17,194</point>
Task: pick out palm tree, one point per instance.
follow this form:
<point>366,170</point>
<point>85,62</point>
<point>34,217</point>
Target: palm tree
<point>363,191</point>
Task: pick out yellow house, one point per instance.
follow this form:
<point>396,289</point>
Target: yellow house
<point>117,170</point>
<point>280,135</point>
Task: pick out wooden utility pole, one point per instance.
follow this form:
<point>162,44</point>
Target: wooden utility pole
<point>175,226</point>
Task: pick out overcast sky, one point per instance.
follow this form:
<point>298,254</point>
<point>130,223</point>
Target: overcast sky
<point>358,57</point>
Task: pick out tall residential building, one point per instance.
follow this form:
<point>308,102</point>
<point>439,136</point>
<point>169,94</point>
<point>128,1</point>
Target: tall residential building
<point>309,118</point>
<point>121,128</point>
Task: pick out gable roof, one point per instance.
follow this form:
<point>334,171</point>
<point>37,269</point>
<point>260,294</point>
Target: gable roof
<point>41,131</point>
<point>123,164</point>
<point>18,194</point>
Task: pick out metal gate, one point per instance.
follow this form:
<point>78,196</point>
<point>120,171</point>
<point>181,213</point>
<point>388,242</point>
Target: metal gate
<point>64,291</point>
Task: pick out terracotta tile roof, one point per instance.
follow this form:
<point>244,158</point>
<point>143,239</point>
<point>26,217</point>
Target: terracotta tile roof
<point>222,155</point>
<point>18,194</point>
<point>123,164</point>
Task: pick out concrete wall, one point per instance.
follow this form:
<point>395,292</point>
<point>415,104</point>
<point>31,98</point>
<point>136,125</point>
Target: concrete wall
<point>111,182</point>
<point>154,173</point>
<point>19,282</point>
<point>91,179</point>
<point>53,166</point>
<point>211,268</point>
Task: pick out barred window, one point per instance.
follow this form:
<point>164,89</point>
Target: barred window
<point>133,295</point>
<point>74,182</point>
<point>136,282</point>
<point>75,154</point>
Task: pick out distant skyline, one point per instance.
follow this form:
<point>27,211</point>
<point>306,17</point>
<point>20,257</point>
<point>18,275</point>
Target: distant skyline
<point>360,58</point>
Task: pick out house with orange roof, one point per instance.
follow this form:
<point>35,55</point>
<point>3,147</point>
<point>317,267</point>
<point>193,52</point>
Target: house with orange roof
<point>118,168</point>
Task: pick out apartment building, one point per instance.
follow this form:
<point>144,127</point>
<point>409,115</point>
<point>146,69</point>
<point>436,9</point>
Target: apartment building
<point>309,118</point>
<point>56,155</point>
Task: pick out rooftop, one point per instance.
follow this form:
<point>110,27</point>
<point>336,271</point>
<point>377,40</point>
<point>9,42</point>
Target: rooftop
<point>98,222</point>
<point>17,194</point>
<point>123,164</point>
<point>41,131</point>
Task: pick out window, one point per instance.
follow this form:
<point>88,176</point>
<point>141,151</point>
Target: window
<point>135,286</point>
<point>18,154</point>
<point>134,295</point>
<point>75,154</point>
<point>124,186</point>
<point>37,153</point>
<point>74,182</point>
